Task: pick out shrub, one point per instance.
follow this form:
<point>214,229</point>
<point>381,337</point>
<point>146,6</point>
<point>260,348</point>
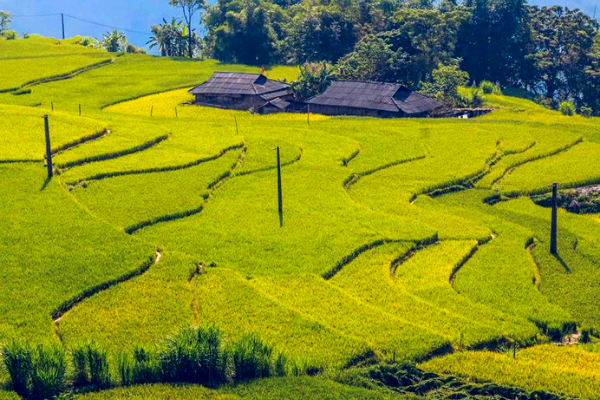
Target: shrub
<point>586,111</point>
<point>10,35</point>
<point>48,372</point>
<point>251,358</point>
<point>476,99</point>
<point>490,88</point>
<point>567,108</point>
<point>194,355</point>
<point>17,359</point>
<point>130,48</point>
<point>88,41</point>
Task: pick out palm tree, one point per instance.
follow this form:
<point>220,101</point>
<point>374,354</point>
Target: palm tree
<point>169,38</point>
<point>114,41</point>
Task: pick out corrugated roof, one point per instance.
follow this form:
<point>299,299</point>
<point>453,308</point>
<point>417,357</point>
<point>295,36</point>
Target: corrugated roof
<point>279,103</point>
<point>273,95</point>
<point>389,97</point>
<point>238,83</point>
<point>414,103</point>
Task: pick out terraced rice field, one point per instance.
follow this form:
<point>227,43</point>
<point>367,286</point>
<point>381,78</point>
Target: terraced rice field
<point>164,215</point>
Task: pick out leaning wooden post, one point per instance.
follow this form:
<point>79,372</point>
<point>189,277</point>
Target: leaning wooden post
<point>151,111</point>
<point>48,148</point>
<point>279,191</point>
<point>176,115</point>
<point>237,131</point>
<point>514,349</point>
<point>553,246</point>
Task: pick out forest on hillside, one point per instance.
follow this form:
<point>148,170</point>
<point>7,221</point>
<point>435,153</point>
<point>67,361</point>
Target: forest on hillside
<point>552,52</point>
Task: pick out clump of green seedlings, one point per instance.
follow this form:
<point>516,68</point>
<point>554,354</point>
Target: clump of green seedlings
<point>194,355</point>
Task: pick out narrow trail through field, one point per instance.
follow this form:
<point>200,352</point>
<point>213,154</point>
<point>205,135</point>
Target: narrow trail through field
<point>194,303</point>
<point>188,213</point>
<point>59,313</point>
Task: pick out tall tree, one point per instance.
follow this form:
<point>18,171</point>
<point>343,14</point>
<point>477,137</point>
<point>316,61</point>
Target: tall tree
<point>5,21</point>
<point>189,8</point>
<point>563,40</point>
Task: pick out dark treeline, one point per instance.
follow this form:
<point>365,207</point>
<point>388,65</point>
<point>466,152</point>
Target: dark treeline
<point>552,52</point>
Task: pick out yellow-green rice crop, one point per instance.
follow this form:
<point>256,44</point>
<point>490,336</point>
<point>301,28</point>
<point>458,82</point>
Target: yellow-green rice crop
<point>567,370</point>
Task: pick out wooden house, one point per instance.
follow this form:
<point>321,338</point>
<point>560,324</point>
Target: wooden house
<point>242,91</point>
<point>371,99</point>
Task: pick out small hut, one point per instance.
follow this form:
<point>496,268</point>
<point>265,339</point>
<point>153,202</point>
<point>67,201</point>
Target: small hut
<point>241,91</point>
<point>371,99</point>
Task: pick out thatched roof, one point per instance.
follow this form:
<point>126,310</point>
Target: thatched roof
<point>238,83</point>
<point>378,96</point>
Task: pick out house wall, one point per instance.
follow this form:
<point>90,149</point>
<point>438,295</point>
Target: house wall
<point>233,102</point>
<point>360,112</point>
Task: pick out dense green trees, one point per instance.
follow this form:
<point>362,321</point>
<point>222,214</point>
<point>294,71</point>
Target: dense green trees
<point>553,52</point>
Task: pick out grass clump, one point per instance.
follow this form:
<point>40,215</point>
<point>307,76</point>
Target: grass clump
<point>195,355</point>
<point>17,360</point>
<point>38,373</point>
<point>91,367</point>
<point>252,359</point>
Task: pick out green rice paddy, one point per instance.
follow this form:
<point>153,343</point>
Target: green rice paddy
<point>164,215</point>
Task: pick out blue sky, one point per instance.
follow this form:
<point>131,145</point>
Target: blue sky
<point>136,15</point>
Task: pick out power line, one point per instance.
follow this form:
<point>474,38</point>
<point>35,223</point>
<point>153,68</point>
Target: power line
<point>106,26</point>
<point>35,15</point>
<point>82,20</point>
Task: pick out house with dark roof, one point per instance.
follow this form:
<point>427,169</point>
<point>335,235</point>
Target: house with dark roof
<point>242,91</point>
<point>371,99</point>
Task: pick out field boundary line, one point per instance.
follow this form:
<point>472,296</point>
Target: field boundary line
<point>67,75</point>
<point>469,181</point>
<point>58,313</point>
<point>369,246</point>
<point>71,145</point>
<point>139,96</point>
<point>285,164</point>
<point>354,178</point>
<point>514,166</point>
<point>21,161</point>
<point>212,186</point>
<point>347,160</point>
<point>107,175</point>
<point>110,156</point>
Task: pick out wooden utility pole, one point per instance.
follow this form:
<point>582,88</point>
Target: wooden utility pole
<point>62,20</point>
<point>553,226</point>
<point>279,191</point>
<point>48,148</point>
